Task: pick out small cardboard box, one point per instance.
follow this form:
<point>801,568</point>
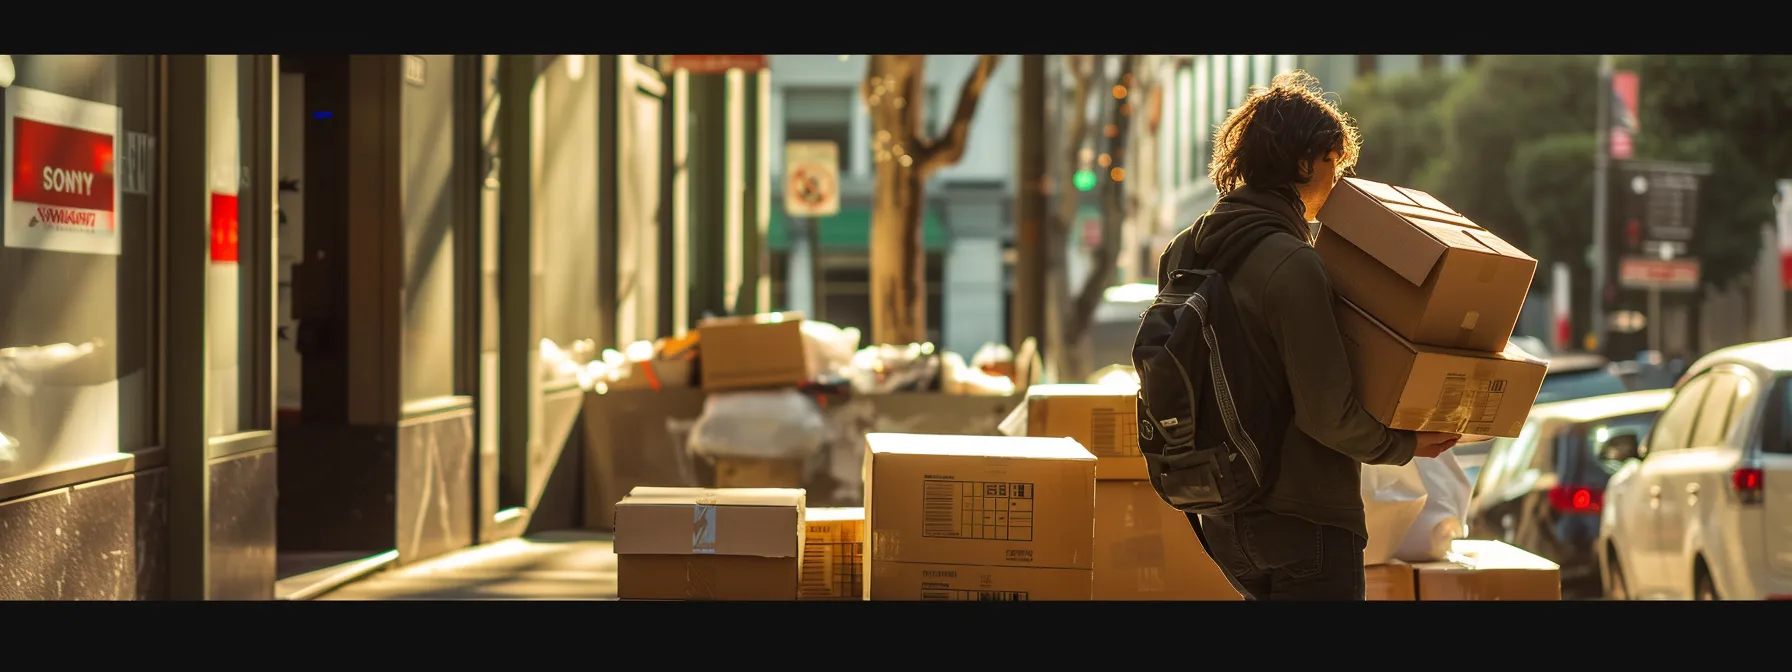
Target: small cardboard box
<point>1147,550</point>
<point>834,554</point>
<point>928,581</point>
<point>1432,389</point>
<point>1103,418</point>
<point>1391,582</point>
<point>754,351</point>
<point>756,472</point>
<point>1480,570</point>
<point>703,544</point>
<point>1421,268</point>
<point>980,500</point>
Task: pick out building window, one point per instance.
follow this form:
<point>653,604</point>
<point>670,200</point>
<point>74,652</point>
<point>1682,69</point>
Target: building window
<point>1219,95</point>
<point>1241,84</point>
<point>1203,122</point>
<point>821,113</point>
<point>78,346</point>
<point>428,188</point>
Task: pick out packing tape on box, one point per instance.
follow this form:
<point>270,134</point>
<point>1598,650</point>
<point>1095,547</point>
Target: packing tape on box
<point>703,528</point>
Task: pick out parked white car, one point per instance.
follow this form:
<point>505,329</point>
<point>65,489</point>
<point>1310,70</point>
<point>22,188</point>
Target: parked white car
<point>1702,508</point>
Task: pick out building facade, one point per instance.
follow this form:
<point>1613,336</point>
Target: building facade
<point>274,316</point>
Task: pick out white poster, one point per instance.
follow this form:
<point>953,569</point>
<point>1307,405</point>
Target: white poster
<point>60,192</point>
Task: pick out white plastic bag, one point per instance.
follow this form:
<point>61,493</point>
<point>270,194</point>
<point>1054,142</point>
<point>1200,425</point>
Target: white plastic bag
<point>774,424</point>
<point>1392,499</point>
<point>1447,491</point>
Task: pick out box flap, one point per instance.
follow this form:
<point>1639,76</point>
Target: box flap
<point>1028,447</point>
<point>1482,555</point>
<point>1358,212</point>
<point>835,513</point>
<point>1382,328</point>
<point>1083,390</point>
<point>1425,200</point>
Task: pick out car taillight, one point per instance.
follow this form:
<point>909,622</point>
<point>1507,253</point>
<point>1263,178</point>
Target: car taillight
<point>1576,499</point>
<point>1748,482</point>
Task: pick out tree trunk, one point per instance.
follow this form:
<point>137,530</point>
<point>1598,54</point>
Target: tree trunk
<point>904,157</point>
<point>1085,75</point>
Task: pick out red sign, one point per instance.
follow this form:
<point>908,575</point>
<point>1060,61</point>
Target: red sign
<point>711,64</point>
<point>63,176</point>
<point>1641,272</point>
<point>224,228</point>
<point>1624,115</point>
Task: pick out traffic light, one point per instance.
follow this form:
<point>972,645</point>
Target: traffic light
<point>1084,180</point>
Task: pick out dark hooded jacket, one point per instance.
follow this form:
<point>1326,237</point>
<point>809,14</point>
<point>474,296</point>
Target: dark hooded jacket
<point>1285,303</point>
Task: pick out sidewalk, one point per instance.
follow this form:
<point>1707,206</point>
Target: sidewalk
<point>571,565</point>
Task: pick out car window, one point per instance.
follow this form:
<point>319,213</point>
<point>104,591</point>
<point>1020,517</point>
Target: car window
<point>1713,422</point>
<point>1747,391</point>
<point>1579,385</point>
<point>1776,424</point>
<point>1671,429</point>
<point>1506,454</point>
<point>1594,435</point>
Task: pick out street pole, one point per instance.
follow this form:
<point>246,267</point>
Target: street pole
<point>817,290</point>
<point>1601,180</point>
<point>1027,306</point>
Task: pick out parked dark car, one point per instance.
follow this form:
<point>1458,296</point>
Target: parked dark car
<point>1543,490</point>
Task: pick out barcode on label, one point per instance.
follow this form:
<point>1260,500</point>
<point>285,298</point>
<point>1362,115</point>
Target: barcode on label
<point>831,569</point>
<point>976,510</point>
<point>975,595</point>
<point>1105,437</point>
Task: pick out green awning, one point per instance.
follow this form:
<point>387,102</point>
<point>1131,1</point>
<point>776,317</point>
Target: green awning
<point>851,230</point>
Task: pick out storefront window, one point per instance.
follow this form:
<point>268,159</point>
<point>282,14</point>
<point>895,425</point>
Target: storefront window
<point>235,291</point>
<point>77,300</point>
<point>430,207</point>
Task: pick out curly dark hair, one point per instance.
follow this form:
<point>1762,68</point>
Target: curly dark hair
<point>1263,142</point>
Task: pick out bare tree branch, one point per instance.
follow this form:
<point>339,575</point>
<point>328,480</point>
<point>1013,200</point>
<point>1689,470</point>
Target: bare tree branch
<point>947,149</point>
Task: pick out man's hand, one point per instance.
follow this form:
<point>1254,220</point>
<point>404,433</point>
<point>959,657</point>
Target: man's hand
<point>1432,444</point>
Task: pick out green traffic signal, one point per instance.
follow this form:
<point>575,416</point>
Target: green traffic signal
<point>1084,180</point>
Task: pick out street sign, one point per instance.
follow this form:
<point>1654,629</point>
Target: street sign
<point>1664,275</point>
<point>713,64</point>
<point>811,178</point>
<point>1659,202</point>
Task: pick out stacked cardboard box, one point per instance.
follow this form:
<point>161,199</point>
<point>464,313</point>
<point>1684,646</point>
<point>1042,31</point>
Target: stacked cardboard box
<point>978,518</point>
<point>1144,548</point>
<point>702,544</point>
<point>834,554</point>
<point>1475,571</point>
<point>1427,303</point>
<point>755,352</point>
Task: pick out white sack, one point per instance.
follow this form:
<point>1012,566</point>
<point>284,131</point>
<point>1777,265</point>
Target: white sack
<point>773,424</point>
<point>1447,491</point>
<point>1392,499</point>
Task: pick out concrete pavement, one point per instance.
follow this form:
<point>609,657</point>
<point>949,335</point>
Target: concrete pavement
<point>571,565</point>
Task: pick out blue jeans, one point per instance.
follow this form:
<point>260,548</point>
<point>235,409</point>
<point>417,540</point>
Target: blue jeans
<point>1269,556</point>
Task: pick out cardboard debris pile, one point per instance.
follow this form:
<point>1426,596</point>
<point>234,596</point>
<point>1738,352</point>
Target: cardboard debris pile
<point>1428,302</point>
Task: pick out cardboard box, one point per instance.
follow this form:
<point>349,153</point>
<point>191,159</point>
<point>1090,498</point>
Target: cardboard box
<point>834,554</point>
<point>751,472</point>
<point>1147,550</point>
<point>1421,268</point>
<point>1427,388</point>
<point>1480,570</point>
<point>754,351</point>
<point>1391,582</point>
<point>1103,418</point>
<point>980,500</point>
<point>703,544</point>
<point>929,581</point>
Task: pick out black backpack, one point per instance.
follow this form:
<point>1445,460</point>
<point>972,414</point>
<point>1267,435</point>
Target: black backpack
<point>1210,423</point>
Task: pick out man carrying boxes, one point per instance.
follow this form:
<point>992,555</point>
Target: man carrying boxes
<point>1251,416</point>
